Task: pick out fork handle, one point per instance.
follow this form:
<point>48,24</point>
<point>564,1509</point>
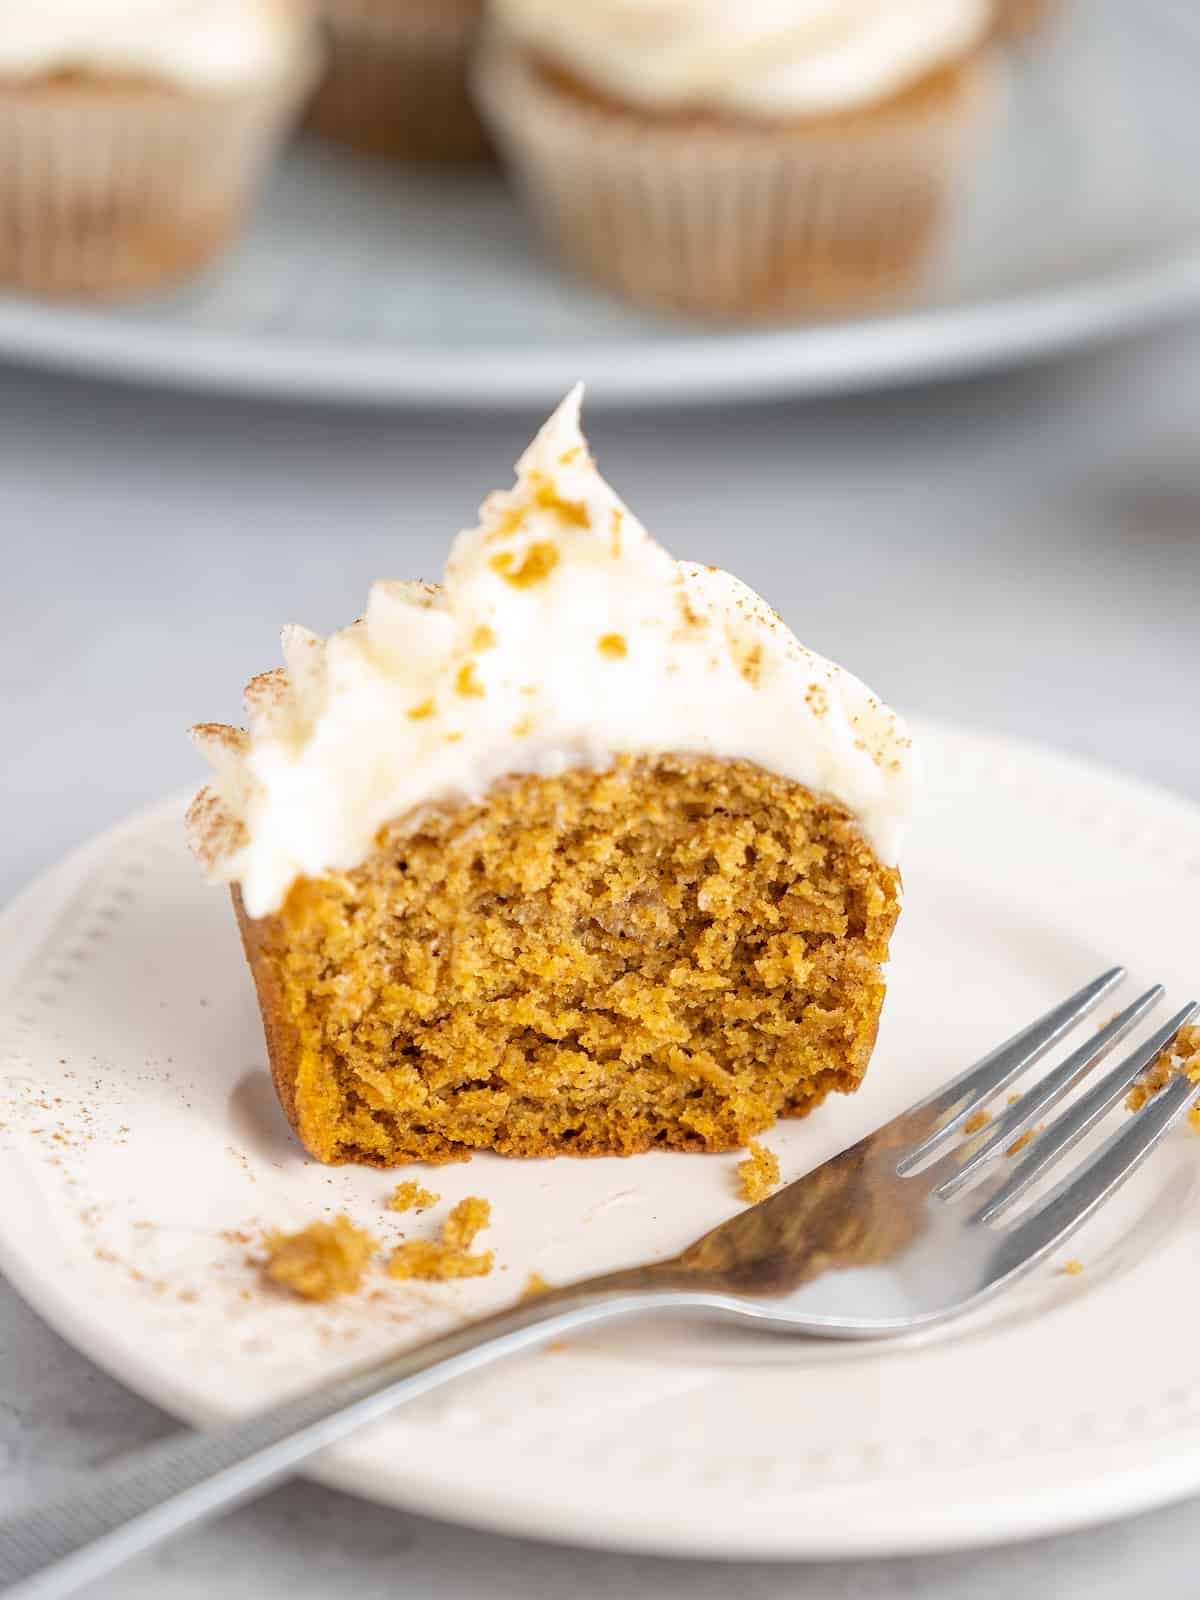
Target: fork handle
<point>54,1548</point>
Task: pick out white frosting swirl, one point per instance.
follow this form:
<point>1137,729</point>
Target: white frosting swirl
<point>760,58</point>
<point>190,44</point>
<point>563,635</point>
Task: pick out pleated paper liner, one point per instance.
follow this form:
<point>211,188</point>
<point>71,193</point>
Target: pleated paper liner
<point>111,189</point>
<point>726,217</point>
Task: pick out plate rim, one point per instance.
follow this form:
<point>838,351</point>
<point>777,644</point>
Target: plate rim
<point>706,368</point>
<point>1077,1504</point>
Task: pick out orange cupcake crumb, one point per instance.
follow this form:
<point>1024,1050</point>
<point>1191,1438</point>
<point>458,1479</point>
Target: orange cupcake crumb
<point>759,1173</point>
<point>437,1261</point>
<point>539,562</point>
<point>467,683</point>
<point>410,1196</point>
<point>321,1261</point>
<point>1182,1056</point>
<point>1026,1138</point>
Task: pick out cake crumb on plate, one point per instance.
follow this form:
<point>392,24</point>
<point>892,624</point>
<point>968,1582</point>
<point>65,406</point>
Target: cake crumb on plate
<point>758,1174</point>
<point>468,1219</point>
<point>410,1196</point>
<point>321,1261</point>
<point>431,1261</point>
<point>437,1261</point>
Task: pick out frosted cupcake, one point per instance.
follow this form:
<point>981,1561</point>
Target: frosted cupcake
<point>397,79</point>
<point>738,159</point>
<point>580,852</point>
<point>133,134</point>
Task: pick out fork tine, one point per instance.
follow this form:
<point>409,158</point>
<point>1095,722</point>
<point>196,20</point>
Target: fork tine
<point>1066,1131</point>
<point>1071,1202</point>
<point>1047,1092</point>
<point>988,1077</point>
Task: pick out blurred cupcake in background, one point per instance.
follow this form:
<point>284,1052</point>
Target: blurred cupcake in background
<point>133,134</point>
<point>1016,19</point>
<point>396,83</point>
<point>738,158</point>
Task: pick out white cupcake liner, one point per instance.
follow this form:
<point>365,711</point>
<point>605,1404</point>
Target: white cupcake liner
<point>114,188</point>
<point>396,84</point>
<point>724,217</point>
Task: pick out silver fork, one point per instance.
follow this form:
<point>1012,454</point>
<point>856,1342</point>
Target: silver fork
<point>904,1230</point>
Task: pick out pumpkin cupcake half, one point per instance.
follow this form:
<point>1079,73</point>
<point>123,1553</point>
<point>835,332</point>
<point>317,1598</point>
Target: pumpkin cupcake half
<point>580,852</point>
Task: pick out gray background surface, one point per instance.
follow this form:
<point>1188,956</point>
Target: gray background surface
<point>1020,552</point>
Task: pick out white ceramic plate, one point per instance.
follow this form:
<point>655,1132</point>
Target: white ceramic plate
<point>356,283</point>
<point>142,1148</point>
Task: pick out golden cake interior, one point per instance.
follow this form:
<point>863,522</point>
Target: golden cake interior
<point>669,953</point>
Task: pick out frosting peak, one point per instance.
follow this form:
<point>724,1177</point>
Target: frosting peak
<point>562,635</point>
<point>766,58</point>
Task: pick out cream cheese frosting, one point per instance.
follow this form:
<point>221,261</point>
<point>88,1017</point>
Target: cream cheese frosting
<point>760,58</point>
<point>562,635</point>
<point>192,44</point>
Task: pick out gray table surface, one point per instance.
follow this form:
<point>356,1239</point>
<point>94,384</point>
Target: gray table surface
<point>1020,552</point>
